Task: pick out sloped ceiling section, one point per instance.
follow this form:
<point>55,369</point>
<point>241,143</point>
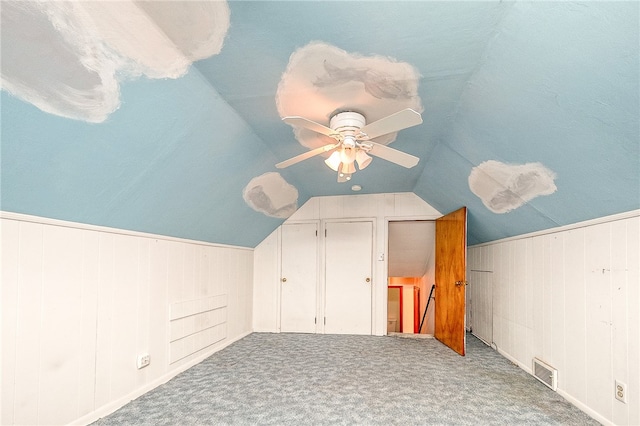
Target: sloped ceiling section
<point>557,85</point>
<point>152,147</point>
<point>165,117</point>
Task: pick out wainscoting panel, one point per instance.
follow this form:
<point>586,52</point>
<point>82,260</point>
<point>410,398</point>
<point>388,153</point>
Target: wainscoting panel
<point>480,293</point>
<point>266,287</point>
<point>197,324</point>
<point>80,303</point>
<point>571,298</point>
<point>63,302</point>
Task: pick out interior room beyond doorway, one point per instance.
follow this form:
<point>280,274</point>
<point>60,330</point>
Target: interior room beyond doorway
<point>411,273</point>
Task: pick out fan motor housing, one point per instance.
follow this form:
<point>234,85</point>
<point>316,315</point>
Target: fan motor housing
<point>347,120</point>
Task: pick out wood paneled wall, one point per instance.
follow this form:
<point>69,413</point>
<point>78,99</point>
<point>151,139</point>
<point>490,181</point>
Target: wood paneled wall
<point>80,303</point>
<point>570,297</point>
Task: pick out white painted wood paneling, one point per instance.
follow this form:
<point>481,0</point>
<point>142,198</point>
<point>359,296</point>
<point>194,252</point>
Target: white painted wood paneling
<point>79,304</point>
<point>620,350</point>
<point>571,298</point>
<point>28,342</point>
<point>266,292</point>
<point>61,309</point>
<point>576,310</point>
<point>9,271</point>
<point>558,329</point>
<point>547,317</point>
<point>143,325</point>
<point>103,319</point>
<point>632,338</point>
<point>538,300</point>
<point>598,320</point>
<point>480,293</point>
<point>123,316</point>
<point>158,308</point>
<point>196,324</point>
<point>239,287</point>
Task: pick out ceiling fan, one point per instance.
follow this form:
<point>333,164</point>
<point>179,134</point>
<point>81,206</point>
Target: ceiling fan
<point>353,140</point>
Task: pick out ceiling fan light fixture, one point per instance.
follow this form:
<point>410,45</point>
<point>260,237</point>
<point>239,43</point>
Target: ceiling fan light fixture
<point>333,161</point>
<point>348,155</point>
<point>349,141</point>
<point>348,168</point>
<point>353,135</point>
<point>363,159</point>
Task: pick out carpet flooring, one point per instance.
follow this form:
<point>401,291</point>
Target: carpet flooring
<point>315,379</point>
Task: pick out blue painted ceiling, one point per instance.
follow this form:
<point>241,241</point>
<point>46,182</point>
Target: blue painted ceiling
<point>549,83</point>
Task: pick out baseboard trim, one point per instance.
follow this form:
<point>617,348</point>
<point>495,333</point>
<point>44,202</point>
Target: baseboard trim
<point>586,409</point>
<point>113,406</point>
<point>482,340</point>
<point>591,413</point>
<point>266,330</point>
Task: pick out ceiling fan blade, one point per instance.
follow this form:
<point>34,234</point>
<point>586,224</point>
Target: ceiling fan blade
<point>392,123</point>
<point>304,156</point>
<point>398,157</point>
<point>311,125</point>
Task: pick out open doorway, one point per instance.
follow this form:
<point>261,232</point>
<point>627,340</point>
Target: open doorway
<point>411,275</point>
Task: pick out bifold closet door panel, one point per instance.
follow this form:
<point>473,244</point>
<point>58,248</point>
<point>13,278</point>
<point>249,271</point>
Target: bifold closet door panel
<point>348,277</point>
<point>299,278</point>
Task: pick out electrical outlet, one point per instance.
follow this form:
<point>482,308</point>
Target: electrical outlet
<point>143,360</point>
<point>621,391</point>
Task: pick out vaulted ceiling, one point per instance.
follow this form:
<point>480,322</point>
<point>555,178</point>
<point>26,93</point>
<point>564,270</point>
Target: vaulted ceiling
<point>165,117</point>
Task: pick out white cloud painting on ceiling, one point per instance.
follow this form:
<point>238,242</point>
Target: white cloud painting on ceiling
<point>322,79</point>
<point>271,195</point>
<point>505,187</point>
<point>67,58</point>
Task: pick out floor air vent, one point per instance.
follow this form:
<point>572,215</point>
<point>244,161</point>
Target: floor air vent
<point>545,373</point>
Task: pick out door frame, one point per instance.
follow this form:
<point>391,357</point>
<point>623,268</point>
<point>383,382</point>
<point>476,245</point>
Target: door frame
<point>385,272</point>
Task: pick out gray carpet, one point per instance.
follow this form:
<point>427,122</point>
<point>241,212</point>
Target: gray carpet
<point>314,379</point>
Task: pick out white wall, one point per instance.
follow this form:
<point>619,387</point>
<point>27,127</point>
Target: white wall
<point>426,281</point>
<point>570,297</point>
<point>379,207</point>
<point>79,303</point>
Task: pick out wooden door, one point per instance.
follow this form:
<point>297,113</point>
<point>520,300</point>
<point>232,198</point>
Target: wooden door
<point>450,259</point>
<point>348,280</point>
<point>299,278</point>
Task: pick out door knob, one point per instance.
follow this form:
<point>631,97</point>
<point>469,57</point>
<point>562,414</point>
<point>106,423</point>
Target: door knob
<point>284,280</point>
<point>368,279</point>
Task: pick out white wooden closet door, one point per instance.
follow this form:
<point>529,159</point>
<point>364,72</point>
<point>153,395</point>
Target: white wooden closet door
<point>348,280</point>
<point>299,278</point>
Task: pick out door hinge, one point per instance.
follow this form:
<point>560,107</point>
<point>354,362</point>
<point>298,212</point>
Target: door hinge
<point>316,232</point>
<point>325,320</point>
<point>315,320</point>
<point>325,232</point>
